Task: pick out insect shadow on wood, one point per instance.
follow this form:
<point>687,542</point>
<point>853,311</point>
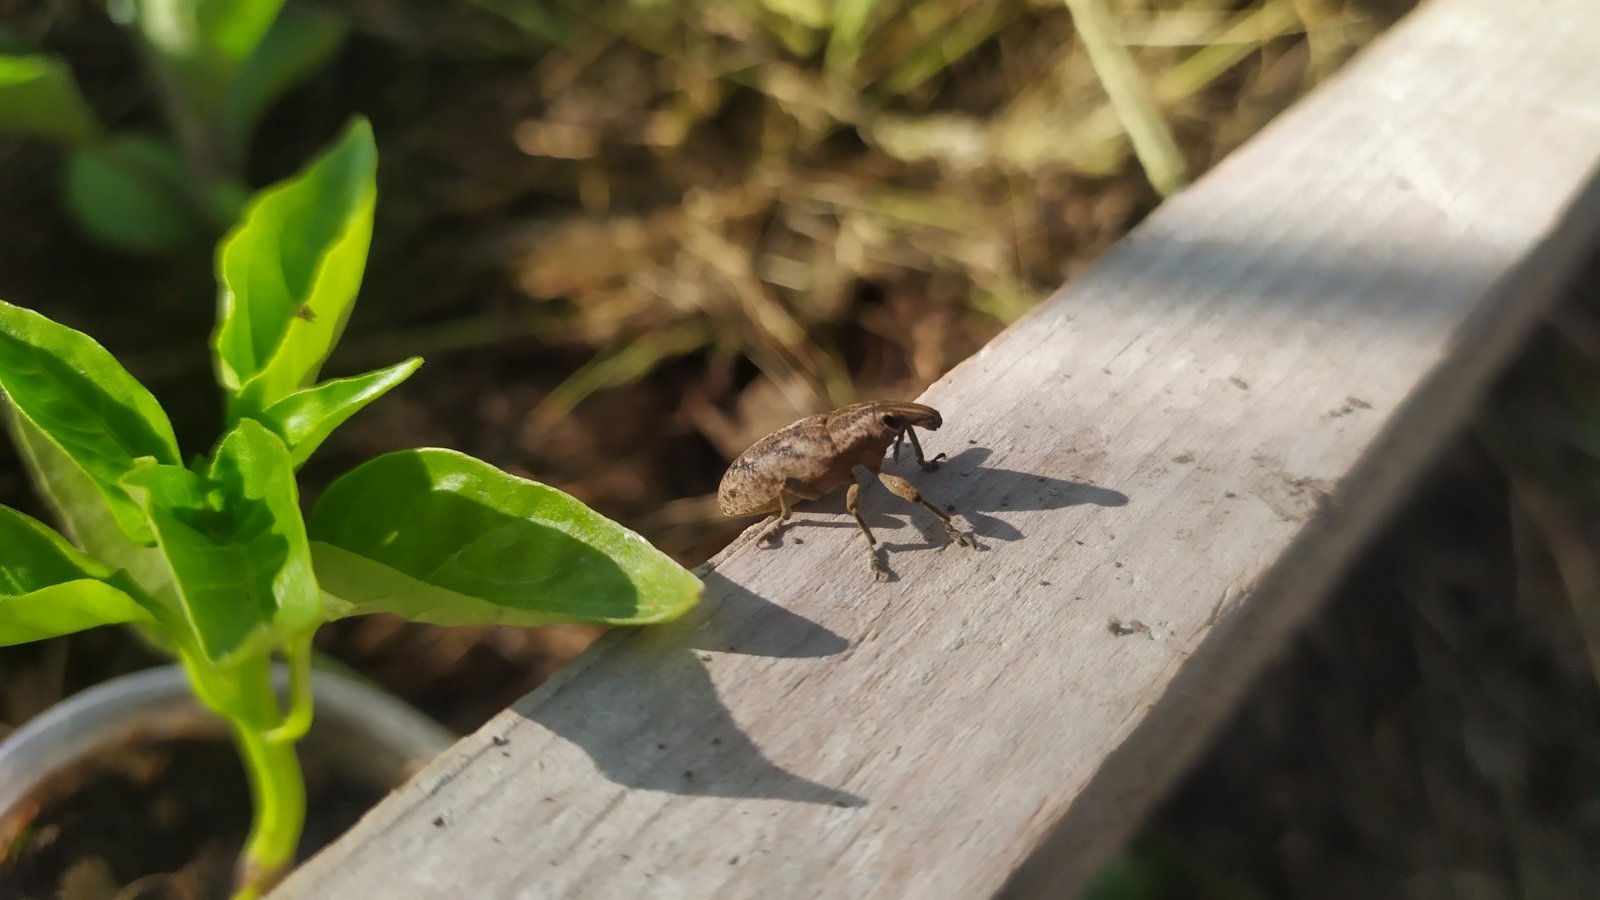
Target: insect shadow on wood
<point>988,494</point>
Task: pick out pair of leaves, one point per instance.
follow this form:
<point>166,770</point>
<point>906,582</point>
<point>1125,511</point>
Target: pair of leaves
<point>227,60</point>
<point>236,544</point>
<point>218,558</point>
<point>289,274</point>
<point>432,535</point>
<point>216,555</point>
<point>221,553</point>
<point>224,62</point>
<point>235,57</point>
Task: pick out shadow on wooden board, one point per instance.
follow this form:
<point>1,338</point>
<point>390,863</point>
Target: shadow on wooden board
<point>635,746</point>
<point>659,678</point>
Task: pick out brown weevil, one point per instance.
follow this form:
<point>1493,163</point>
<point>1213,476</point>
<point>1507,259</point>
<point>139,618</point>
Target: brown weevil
<point>819,454</point>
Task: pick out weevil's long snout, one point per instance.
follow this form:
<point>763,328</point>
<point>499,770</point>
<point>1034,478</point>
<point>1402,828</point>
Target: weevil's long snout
<point>919,415</point>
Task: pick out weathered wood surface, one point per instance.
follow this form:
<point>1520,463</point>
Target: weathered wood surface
<point>1196,434</point>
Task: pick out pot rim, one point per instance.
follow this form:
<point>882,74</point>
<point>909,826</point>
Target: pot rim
<point>158,702</point>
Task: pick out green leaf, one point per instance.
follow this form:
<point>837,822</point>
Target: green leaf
<point>39,98</point>
<point>201,29</point>
<point>236,544</point>
<point>82,512</point>
<point>437,536</point>
<point>201,44</point>
<point>131,194</point>
<point>82,401</point>
<point>289,274</point>
<point>305,418</point>
<point>49,588</point>
<point>230,28</point>
<point>299,43</point>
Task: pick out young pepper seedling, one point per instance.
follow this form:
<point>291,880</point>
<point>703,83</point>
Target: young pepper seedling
<point>819,454</point>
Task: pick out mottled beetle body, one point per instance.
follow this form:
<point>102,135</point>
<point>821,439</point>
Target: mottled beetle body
<point>822,453</point>
<point>817,455</point>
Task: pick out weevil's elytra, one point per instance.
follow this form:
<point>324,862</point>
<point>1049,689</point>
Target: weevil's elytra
<point>822,453</point>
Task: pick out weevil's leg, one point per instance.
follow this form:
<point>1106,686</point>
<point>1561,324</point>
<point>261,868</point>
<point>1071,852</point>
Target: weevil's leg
<point>771,532</point>
<point>851,495</point>
<point>905,490</point>
<point>928,465</point>
<point>787,494</point>
<point>898,440</point>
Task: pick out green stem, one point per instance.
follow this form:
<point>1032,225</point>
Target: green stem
<point>297,721</point>
<point>279,793</point>
<point>244,695</point>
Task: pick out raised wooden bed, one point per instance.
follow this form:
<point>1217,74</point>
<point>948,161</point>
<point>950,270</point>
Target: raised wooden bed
<point>1167,464</point>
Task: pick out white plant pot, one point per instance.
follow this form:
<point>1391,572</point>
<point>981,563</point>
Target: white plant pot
<point>359,732</point>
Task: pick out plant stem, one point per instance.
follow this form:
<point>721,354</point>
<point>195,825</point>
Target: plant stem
<point>244,695</point>
<point>279,794</point>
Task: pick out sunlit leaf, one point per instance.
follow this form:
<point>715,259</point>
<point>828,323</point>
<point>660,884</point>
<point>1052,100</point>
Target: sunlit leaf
<point>236,544</point>
<point>49,588</point>
<point>81,510</point>
<point>305,418</point>
<point>289,273</point>
<point>437,536</point>
<point>81,399</point>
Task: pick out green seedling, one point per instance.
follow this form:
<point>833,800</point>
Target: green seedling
<point>213,560</point>
<point>215,66</point>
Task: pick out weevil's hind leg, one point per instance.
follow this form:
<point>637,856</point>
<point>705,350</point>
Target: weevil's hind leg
<point>851,496</point>
<point>771,531</point>
<point>905,490</point>
<point>787,494</point>
<point>928,465</point>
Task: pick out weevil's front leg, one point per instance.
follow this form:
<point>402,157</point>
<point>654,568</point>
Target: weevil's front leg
<point>905,490</point>
<point>928,465</point>
<point>851,495</point>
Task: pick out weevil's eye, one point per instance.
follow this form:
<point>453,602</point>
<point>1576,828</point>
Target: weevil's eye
<point>893,423</point>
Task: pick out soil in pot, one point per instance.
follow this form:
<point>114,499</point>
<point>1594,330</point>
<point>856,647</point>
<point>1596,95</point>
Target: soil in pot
<point>157,819</point>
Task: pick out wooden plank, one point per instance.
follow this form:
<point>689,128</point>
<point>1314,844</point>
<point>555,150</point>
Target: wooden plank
<point>1196,434</point>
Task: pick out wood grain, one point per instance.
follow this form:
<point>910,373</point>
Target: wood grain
<point>1195,435</point>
